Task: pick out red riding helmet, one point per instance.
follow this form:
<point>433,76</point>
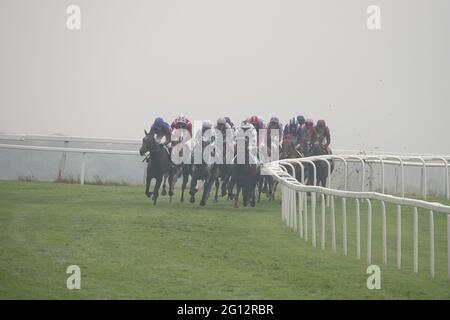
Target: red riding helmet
<point>253,120</point>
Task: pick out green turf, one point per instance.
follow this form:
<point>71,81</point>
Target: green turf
<point>128,248</point>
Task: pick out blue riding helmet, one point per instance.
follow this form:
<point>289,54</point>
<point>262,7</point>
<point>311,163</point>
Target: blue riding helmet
<point>293,123</point>
<point>159,122</point>
<point>301,119</point>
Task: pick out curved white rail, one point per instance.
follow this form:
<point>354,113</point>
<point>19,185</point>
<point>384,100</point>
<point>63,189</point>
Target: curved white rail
<point>295,208</point>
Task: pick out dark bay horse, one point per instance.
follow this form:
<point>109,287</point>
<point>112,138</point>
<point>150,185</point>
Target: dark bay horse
<point>245,176</point>
<point>159,164</point>
<point>321,166</point>
<point>289,151</point>
<point>200,171</point>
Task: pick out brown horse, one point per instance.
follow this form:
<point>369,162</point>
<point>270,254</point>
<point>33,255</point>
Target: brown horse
<point>159,164</point>
<point>289,151</point>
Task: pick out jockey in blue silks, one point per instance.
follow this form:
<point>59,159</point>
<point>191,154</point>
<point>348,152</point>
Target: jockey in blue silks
<point>161,129</point>
<point>294,129</point>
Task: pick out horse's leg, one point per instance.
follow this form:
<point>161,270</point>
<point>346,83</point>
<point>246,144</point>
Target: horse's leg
<point>245,189</point>
<point>156,190</point>
<point>253,193</point>
<point>262,185</point>
<point>148,179</point>
<point>217,183</point>
<point>183,185</point>
<point>171,186</point>
<point>225,182</point>
<point>163,191</point>
<point>275,185</point>
<point>231,184</point>
<point>209,179</point>
<point>193,190</point>
<point>236,196</point>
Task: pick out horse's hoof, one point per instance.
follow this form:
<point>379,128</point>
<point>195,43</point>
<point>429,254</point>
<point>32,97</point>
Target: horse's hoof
<point>163,192</point>
<point>202,203</point>
<point>216,200</point>
<point>181,200</point>
<point>192,200</point>
<point>252,203</point>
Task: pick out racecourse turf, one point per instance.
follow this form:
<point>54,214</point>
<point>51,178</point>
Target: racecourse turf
<point>127,248</point>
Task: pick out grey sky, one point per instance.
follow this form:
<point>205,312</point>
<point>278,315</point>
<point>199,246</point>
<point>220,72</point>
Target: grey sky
<point>134,60</point>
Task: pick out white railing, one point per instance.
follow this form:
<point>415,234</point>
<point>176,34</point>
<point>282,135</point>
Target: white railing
<point>83,151</point>
<point>295,211</point>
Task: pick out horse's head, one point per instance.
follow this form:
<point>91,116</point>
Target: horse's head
<point>148,144</point>
<point>287,148</point>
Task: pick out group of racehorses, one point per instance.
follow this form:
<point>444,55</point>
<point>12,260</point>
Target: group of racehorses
<point>231,178</point>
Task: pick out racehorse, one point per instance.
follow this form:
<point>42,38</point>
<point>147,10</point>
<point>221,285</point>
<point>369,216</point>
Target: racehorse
<point>245,176</point>
<point>181,170</point>
<point>200,171</point>
<point>321,167</point>
<point>221,172</point>
<point>289,151</point>
<point>159,164</point>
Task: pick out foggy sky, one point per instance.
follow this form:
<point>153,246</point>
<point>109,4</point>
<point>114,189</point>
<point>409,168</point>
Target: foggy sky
<point>135,60</point>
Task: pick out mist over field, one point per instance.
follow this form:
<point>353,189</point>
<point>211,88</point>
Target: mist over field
<point>135,60</point>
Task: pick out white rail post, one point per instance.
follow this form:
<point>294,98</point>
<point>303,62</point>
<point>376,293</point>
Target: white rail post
<point>313,218</point>
<point>399,236</point>
<point>300,214</point>
<point>344,226</point>
<point>448,246</point>
<point>283,204</point>
<point>294,209</point>
<point>369,232</point>
<point>358,230</point>
<point>83,168</point>
<point>322,222</point>
<point>416,240</point>
<point>431,225</point>
<point>425,191</point>
<point>383,233</point>
<point>305,217</point>
<point>447,183</point>
<point>333,225</point>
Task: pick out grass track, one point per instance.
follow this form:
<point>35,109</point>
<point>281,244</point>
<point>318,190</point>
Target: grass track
<point>128,248</point>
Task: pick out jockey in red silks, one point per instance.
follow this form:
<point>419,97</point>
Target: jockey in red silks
<point>323,135</point>
<point>161,129</point>
<point>309,135</point>
<point>258,124</point>
<point>182,122</point>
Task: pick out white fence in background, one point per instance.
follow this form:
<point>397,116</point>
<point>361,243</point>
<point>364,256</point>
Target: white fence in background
<point>105,155</point>
<point>298,216</point>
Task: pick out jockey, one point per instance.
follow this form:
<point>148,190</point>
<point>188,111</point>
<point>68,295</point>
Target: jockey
<point>228,120</point>
<point>257,124</point>
<point>309,134</point>
<point>182,122</point>
<point>275,124</point>
<point>293,129</point>
<point>323,135</point>
<point>301,121</point>
<point>161,129</point>
<point>222,125</point>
